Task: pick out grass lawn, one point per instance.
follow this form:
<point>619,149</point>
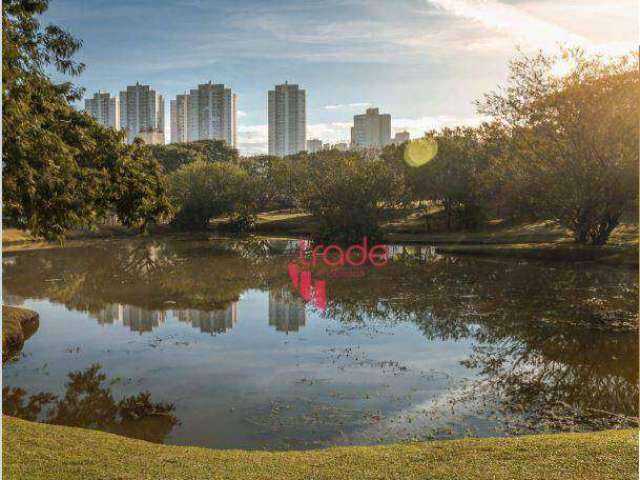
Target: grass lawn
<point>284,221</point>
<point>13,235</point>
<point>544,240</point>
<point>37,451</point>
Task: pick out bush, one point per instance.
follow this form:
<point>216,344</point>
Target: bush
<point>347,195</point>
<point>201,191</point>
<point>175,155</point>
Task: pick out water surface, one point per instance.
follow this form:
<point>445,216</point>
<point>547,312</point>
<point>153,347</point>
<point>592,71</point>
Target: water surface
<point>206,342</point>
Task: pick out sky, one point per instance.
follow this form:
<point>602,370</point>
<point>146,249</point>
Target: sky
<point>422,61</point>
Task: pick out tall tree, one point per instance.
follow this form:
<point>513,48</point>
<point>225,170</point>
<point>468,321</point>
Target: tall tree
<point>453,178</point>
<point>60,168</point>
<point>574,154</point>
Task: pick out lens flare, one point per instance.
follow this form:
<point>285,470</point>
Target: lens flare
<point>421,151</point>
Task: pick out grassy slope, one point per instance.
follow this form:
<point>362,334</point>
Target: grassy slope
<point>37,451</point>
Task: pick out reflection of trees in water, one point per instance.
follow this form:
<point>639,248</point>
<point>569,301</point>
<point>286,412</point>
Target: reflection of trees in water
<point>145,261</point>
<point>88,403</point>
<point>542,331</point>
<point>567,379</point>
<point>150,275</point>
<point>554,343</point>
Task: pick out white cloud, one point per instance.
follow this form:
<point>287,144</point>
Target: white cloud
<point>333,132</point>
<point>418,126</point>
<point>510,20</point>
<point>252,139</point>
<point>343,106</point>
<point>525,28</point>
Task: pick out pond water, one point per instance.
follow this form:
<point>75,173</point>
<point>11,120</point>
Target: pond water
<point>210,342</point>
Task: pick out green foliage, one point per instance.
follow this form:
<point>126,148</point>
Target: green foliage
<point>138,187</point>
<point>273,180</point>
<point>573,140</point>
<point>452,178</point>
<point>202,191</point>
<point>348,195</point>
<point>60,168</point>
<point>174,155</point>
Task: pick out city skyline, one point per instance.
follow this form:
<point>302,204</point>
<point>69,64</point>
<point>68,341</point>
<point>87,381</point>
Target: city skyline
<point>425,61</point>
<point>209,112</point>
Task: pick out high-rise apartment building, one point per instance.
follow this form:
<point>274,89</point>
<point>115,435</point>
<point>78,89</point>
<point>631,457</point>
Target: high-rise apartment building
<point>371,129</point>
<point>180,110</point>
<point>104,108</point>
<point>208,112</point>
<point>287,120</point>
<point>152,137</point>
<point>212,114</point>
<point>401,137</point>
<point>141,110</point>
<point>314,145</point>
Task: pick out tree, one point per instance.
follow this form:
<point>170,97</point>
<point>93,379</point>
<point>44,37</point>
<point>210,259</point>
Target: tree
<point>138,187</point>
<point>348,195</point>
<point>60,168</point>
<point>174,155</point>
<point>452,178</point>
<point>202,191</point>
<point>273,178</point>
<point>574,154</point>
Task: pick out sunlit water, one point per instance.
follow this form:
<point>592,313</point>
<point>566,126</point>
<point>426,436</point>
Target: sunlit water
<point>428,346</point>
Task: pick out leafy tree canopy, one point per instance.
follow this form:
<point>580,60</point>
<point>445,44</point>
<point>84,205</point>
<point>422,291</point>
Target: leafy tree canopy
<point>174,155</point>
<point>202,191</point>
<point>348,195</point>
<point>574,139</point>
<point>60,168</point>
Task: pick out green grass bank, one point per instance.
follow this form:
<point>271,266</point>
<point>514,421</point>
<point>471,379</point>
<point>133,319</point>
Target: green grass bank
<point>38,451</point>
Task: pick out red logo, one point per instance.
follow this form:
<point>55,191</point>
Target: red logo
<point>332,256</point>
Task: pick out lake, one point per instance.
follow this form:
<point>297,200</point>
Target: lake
<point>212,342</point>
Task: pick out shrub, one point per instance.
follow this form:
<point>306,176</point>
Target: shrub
<point>201,191</point>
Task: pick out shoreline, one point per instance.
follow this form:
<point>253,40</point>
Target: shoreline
<point>471,243</point>
<point>18,325</point>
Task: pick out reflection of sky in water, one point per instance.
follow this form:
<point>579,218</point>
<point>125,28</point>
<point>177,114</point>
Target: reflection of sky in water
<point>225,386</point>
<point>264,371</point>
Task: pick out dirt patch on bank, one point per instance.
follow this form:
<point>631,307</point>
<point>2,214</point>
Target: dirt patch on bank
<point>18,324</point>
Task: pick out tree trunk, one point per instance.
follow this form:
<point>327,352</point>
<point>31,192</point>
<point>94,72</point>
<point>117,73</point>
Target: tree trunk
<point>600,234</point>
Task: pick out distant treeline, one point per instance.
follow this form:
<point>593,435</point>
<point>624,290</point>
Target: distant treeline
<point>563,148</point>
